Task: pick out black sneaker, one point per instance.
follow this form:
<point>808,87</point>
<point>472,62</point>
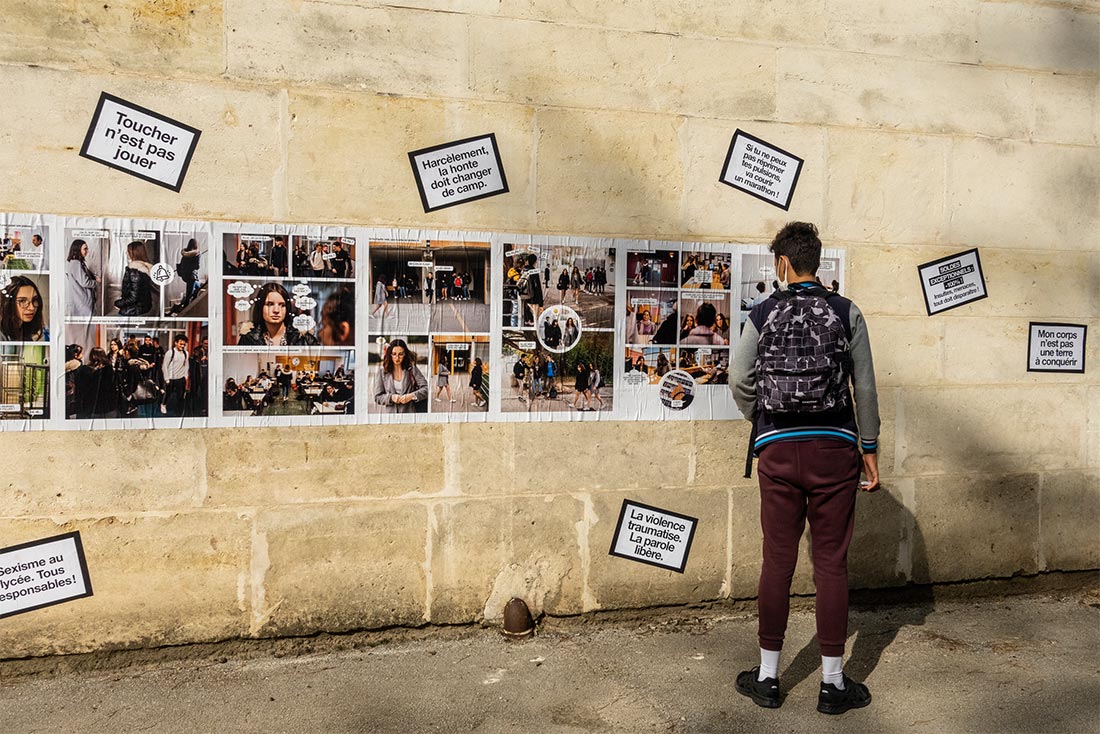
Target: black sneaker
<point>833,700</point>
<point>762,692</point>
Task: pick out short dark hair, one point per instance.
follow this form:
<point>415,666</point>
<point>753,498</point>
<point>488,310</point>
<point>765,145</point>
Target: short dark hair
<point>706,314</point>
<point>760,287</point>
<point>799,242</point>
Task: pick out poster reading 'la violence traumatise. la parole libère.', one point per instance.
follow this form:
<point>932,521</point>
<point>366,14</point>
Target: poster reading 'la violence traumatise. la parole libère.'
<point>139,323</point>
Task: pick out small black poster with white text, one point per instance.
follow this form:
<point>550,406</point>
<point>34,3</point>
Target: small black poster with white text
<point>650,535</point>
<point>458,172</point>
<point>42,573</point>
<point>952,281</point>
<point>143,143</point>
<point>762,170</point>
<point>1056,347</point>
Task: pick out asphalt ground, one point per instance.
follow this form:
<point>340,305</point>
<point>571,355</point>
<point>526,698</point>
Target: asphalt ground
<point>935,661</point>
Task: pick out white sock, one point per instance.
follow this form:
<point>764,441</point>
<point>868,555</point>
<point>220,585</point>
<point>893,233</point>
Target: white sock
<point>769,664</point>
<point>832,670</point>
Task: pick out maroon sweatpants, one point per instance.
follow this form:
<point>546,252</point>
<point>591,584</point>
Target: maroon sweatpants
<point>799,480</point>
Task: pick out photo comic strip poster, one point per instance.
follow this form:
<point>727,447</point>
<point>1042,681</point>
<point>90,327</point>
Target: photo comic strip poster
<point>113,323</point>
<point>288,333</point>
<point>135,336</point>
<point>26,306</point>
<point>429,326</point>
<point>557,320</point>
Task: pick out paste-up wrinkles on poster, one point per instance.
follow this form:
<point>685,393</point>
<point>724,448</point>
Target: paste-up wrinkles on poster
<point>143,323</point>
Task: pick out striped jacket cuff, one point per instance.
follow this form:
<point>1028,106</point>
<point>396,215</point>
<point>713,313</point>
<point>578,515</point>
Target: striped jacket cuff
<point>869,445</point>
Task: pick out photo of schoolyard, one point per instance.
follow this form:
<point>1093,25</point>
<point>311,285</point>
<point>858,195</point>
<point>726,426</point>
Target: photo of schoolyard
<point>538,276</point>
<point>538,380</point>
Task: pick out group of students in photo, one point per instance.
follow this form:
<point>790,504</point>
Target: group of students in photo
<point>719,274</point>
<point>324,259</point>
<point>21,312</point>
<point>538,376</point>
<point>256,393</point>
<point>572,281</point>
<point>135,379</point>
<point>443,286</point>
<point>707,326</point>
<point>638,364</point>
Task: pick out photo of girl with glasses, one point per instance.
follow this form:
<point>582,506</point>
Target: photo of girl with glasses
<point>22,315</point>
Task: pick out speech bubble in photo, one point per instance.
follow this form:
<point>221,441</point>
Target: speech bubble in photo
<point>677,390</point>
<point>304,322</point>
<point>239,289</point>
<point>301,289</point>
<point>243,305</point>
<point>561,314</point>
<point>305,303</point>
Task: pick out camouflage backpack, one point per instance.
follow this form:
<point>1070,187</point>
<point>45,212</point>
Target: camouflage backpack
<point>802,361</point>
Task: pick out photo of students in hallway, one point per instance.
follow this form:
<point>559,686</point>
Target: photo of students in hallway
<point>159,369</point>
<point>186,295</point>
<point>459,373</point>
<point>659,269</point>
<point>429,286</point>
<point>652,363</point>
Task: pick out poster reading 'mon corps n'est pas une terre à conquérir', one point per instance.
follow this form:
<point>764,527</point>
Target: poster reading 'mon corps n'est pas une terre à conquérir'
<point>139,323</point>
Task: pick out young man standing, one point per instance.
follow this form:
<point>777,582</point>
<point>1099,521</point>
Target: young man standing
<point>176,365</point>
<point>798,351</point>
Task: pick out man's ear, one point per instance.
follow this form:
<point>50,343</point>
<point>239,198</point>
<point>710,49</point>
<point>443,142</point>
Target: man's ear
<point>344,331</point>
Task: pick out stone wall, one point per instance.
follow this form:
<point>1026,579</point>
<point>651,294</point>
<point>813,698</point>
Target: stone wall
<point>927,127</point>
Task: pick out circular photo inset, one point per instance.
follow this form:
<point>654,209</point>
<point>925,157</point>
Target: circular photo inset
<point>558,329</point>
<point>677,390</point>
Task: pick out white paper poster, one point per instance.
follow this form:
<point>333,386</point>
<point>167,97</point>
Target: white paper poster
<point>42,573</point>
<point>650,535</point>
<point>143,143</point>
<point>458,172</point>
<point>762,170</point>
<point>952,281</point>
<point>1056,347</point>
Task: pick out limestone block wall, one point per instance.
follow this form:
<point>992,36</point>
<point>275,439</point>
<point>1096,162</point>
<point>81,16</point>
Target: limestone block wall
<point>927,127</point>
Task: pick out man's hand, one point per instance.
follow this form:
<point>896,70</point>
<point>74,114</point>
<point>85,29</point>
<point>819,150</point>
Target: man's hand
<point>870,472</point>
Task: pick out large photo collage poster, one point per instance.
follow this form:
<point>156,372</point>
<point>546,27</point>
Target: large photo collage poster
<point>138,323</point>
